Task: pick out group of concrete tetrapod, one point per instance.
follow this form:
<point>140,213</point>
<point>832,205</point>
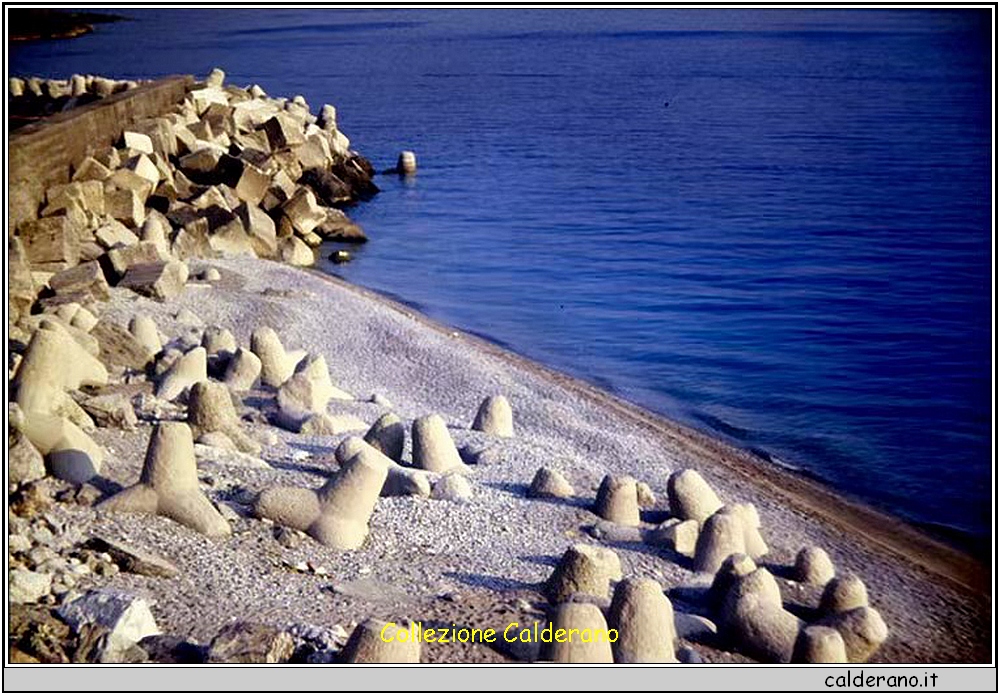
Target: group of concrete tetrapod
<point>221,203</point>
<point>724,540</point>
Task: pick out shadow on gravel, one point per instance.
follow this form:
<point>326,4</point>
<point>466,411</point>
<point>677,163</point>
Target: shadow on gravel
<point>546,560</point>
<point>314,449</point>
<point>693,599</point>
<point>654,516</point>
<point>258,402</point>
<point>106,486</point>
<point>516,489</point>
<point>304,467</point>
<point>778,570</point>
<point>655,550</point>
<point>520,490</point>
<point>806,613</point>
<point>488,582</point>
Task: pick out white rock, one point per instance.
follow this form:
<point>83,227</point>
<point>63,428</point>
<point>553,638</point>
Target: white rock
<point>127,618</point>
<point>140,142</point>
<point>26,586</point>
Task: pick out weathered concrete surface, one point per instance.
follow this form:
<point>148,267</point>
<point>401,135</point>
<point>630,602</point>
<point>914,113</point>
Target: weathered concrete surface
<point>40,155</point>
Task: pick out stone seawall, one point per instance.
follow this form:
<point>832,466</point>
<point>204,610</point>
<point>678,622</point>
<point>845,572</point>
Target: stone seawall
<point>40,155</point>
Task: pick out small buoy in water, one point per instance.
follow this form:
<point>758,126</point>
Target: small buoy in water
<point>407,163</point>
<point>340,256</point>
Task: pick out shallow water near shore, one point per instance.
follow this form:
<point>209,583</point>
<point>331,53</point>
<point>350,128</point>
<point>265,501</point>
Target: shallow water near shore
<point>774,226</point>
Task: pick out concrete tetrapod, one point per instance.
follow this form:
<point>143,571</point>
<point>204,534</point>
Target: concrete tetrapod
<point>242,371</point>
<point>276,364</point>
<point>452,487</point>
<point>433,448</point>
<point>217,339</point>
<point>755,620</point>
<point>722,535</point>
<point>388,435</point>
<point>210,409</point>
<point>77,316</point>
<point>306,392</point>
<point>495,417</point>
<point>681,536</point>
<point>842,594</point>
<point>644,495</point>
<point>733,567</point>
<point>549,482</point>
<point>52,363</point>
<point>70,453</point>
<point>819,644</point>
<point>644,618</point>
<point>183,374</point>
<point>399,482</point>
<point>367,645</point>
<point>862,630</point>
<point>813,566</point>
<point>690,496</point>
<point>617,500</point>
<point>144,330</point>
<point>337,514</point>
<point>583,570</point>
<point>753,542</point>
<point>587,639</point>
<point>168,485</point>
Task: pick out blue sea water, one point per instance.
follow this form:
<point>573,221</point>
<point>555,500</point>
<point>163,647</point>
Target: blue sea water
<point>773,225</point>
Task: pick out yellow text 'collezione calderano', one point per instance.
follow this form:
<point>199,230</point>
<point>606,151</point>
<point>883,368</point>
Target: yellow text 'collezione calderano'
<point>416,632</point>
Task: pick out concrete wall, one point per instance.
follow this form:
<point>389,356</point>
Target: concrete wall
<point>43,154</point>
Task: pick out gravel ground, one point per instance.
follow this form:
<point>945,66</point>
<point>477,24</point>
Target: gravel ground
<point>477,563</point>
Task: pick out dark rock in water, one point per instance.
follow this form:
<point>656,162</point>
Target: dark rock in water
<point>72,465</point>
<point>340,256</point>
<point>339,227</point>
<point>330,189</point>
<point>357,172</point>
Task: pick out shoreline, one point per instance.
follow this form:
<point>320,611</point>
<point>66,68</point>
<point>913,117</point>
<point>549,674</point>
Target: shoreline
<point>886,530</point>
<point>953,540</point>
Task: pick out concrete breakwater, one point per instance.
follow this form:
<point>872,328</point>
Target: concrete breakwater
<point>250,153</point>
<point>185,419</point>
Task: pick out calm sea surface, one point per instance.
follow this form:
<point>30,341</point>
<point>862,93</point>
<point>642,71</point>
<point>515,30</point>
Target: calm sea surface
<point>771,225</point>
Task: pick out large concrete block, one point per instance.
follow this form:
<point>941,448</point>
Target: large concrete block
<point>51,242</point>
<point>283,131</point>
<point>86,278</point>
